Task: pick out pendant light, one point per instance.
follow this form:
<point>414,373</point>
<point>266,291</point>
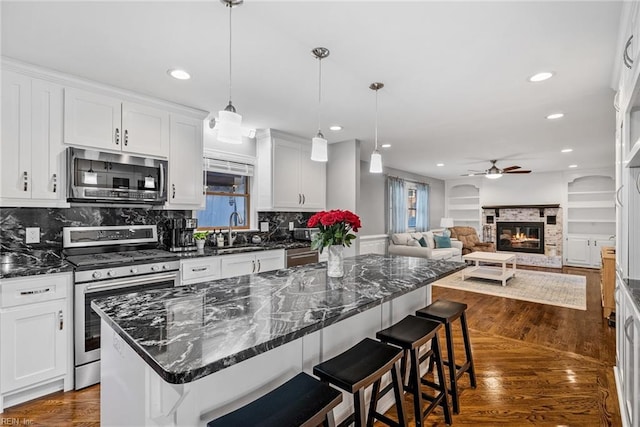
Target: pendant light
<point>375,166</point>
<point>229,122</point>
<point>319,144</point>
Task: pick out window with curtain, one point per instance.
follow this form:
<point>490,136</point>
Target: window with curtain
<point>408,205</point>
<point>227,191</point>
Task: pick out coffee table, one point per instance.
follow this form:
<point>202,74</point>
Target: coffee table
<point>491,273</point>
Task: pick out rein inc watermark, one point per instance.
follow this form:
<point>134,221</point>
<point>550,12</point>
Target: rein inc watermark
<point>15,421</point>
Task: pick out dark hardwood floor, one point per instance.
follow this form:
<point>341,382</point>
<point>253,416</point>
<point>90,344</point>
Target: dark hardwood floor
<point>536,365</point>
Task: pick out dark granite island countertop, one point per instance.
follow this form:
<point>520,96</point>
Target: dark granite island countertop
<point>189,332</point>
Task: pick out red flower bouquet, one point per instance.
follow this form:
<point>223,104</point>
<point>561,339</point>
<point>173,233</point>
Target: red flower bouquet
<point>334,226</point>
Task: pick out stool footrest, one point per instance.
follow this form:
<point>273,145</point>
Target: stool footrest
<point>388,421</point>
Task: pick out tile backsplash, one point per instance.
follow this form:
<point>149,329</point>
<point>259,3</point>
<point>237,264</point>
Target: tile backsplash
<point>51,220</point>
<point>279,223</point>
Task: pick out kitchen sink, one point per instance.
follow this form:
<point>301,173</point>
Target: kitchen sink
<point>239,249</point>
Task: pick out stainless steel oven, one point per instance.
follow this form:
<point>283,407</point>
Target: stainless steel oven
<point>108,263</point>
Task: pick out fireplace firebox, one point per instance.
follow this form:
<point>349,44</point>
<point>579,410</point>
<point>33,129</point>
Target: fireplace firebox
<point>520,237</point>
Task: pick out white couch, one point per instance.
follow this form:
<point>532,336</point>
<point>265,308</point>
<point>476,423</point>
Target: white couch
<point>407,244</point>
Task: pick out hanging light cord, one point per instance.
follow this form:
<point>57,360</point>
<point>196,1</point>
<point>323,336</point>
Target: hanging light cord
<point>230,34</point>
<point>319,90</point>
<point>376,140</point>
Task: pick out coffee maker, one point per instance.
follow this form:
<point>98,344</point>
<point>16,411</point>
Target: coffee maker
<point>180,235</point>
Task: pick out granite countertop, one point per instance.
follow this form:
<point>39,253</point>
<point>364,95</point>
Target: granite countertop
<point>188,332</point>
<point>634,288</point>
<point>36,262</point>
<point>50,261</point>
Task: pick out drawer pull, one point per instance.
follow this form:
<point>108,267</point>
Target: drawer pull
<point>625,56</point>
<point>200,269</point>
<point>35,292</point>
<point>253,270</point>
<point>61,319</point>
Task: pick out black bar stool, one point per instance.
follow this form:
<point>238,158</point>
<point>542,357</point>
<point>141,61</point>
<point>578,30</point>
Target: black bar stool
<point>301,401</point>
<point>410,334</point>
<point>447,312</point>
<point>357,368</point>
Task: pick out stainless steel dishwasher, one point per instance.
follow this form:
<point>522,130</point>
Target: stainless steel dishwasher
<point>301,256</point>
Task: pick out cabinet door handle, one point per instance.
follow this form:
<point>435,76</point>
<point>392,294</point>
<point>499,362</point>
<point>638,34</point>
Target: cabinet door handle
<point>61,319</point>
<point>259,267</point>
<point>625,56</point>
<point>628,323</point>
<point>126,137</point>
<point>588,242</point>
<point>618,195</point>
<point>304,199</point>
<point>55,182</point>
<point>253,270</point>
<point>595,243</point>
<point>638,183</point>
<point>35,292</point>
<point>117,136</point>
<point>25,177</point>
<point>299,198</point>
<point>173,191</point>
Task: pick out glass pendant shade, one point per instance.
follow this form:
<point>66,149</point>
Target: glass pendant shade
<point>319,149</point>
<point>229,127</point>
<point>376,162</point>
<point>493,175</point>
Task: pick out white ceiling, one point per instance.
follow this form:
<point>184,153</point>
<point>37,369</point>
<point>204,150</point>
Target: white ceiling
<point>455,73</point>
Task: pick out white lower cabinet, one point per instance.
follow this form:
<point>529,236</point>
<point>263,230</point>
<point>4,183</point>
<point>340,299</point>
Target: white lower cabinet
<point>250,263</point>
<point>584,251</point>
<point>199,270</point>
<point>628,357</point>
<point>36,326</point>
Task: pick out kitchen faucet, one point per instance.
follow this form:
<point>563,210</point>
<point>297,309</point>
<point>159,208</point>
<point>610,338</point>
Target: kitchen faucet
<point>239,221</point>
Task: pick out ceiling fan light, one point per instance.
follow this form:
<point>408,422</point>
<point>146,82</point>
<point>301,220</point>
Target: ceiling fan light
<point>493,175</point>
<point>229,127</point>
<point>375,166</point>
<point>319,149</point>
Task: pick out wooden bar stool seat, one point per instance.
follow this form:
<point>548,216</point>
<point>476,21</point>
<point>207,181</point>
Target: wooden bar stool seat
<point>301,401</point>
<point>411,334</point>
<point>446,312</point>
<point>357,368</point>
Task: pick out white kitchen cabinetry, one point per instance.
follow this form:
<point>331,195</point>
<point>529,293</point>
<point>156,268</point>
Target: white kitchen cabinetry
<point>584,251</point>
<point>100,121</point>
<point>32,154</point>
<point>250,263</point>
<point>186,179</point>
<point>36,324</point>
<point>199,270</point>
<point>628,356</point>
<point>287,178</point>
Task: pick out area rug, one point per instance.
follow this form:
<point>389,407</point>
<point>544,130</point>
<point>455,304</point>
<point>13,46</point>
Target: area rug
<point>564,290</point>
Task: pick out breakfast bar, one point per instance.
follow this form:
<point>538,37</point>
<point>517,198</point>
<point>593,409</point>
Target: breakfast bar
<point>186,355</point>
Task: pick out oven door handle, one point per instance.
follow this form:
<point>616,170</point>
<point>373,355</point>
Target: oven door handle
<point>128,283</point>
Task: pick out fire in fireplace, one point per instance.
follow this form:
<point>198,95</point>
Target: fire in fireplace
<point>521,237</point>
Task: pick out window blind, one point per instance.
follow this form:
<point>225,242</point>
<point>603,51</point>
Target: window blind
<point>226,166</point>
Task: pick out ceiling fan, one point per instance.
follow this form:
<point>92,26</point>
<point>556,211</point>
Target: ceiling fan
<point>494,172</point>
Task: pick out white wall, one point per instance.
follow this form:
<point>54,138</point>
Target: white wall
<point>343,180</point>
<point>516,189</point>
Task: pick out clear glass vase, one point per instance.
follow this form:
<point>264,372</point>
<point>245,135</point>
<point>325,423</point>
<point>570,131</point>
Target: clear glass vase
<point>335,263</point>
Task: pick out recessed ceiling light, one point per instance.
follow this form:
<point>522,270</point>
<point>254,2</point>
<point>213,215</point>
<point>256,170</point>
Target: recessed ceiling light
<point>555,116</point>
<point>335,127</point>
<point>440,164</point>
<point>567,150</point>
<point>540,77</point>
<point>573,166</point>
<point>386,145</point>
<point>179,74</point>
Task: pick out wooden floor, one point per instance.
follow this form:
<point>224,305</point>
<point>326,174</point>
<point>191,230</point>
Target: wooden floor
<point>536,365</point>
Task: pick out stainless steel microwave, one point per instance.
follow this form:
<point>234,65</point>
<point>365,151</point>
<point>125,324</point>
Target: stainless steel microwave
<point>98,177</point>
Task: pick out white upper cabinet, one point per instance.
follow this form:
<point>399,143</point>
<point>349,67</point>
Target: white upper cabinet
<point>104,122</point>
<point>287,178</point>
<point>31,153</point>
<point>186,179</point>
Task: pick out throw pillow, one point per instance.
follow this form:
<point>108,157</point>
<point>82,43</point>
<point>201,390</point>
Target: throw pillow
<point>413,242</point>
<point>442,241</point>
<point>423,242</point>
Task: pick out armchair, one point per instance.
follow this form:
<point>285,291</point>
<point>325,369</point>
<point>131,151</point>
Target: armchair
<point>470,241</point>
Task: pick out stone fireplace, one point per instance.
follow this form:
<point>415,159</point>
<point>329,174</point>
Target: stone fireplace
<point>520,236</point>
<point>533,232</point>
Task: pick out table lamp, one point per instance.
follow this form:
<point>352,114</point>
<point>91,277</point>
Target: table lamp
<point>446,223</point>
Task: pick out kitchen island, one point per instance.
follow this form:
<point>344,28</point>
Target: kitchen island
<point>186,355</point>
